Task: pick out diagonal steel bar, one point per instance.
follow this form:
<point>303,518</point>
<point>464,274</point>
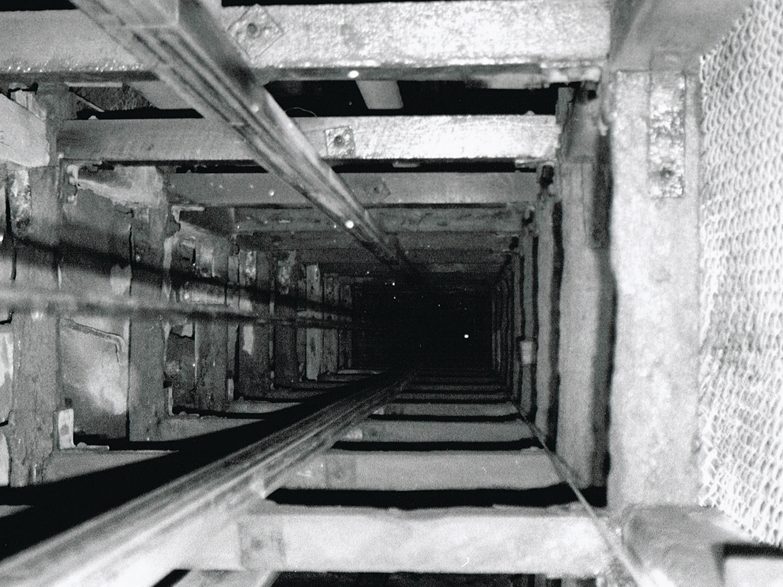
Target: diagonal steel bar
<point>184,44</point>
<point>143,540</point>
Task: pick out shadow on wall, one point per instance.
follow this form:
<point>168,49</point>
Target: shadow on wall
<point>603,359</point>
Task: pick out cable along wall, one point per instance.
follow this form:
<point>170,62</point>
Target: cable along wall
<point>741,234</point>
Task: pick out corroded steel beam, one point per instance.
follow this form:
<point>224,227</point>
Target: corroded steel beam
<point>527,42</point>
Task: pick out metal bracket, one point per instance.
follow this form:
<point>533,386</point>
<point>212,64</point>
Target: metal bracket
<point>666,135</point>
<point>340,142</point>
<point>254,30</point>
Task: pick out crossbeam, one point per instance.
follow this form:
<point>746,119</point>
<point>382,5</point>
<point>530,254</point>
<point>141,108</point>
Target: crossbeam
<point>527,140</point>
<point>196,58</point>
<point>289,241</point>
<point>426,471</point>
<point>372,189</point>
<point>372,430</point>
<point>530,42</point>
<point>394,409</point>
<point>553,542</point>
<point>359,470</point>
<point>506,219</point>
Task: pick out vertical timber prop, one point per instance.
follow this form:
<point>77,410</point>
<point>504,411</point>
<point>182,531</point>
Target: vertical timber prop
<point>516,327</point>
<point>548,274</point>
<point>655,258</point>
<point>331,299</point>
<point>254,366</point>
<point>526,345</point>
<point>35,218</point>
<point>314,336</point>
<point>587,293</point>
<point>345,335</point>
<point>147,400</point>
<point>286,363</point>
<point>211,336</point>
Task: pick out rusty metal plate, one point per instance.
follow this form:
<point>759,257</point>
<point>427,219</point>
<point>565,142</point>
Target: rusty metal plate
<point>666,137</point>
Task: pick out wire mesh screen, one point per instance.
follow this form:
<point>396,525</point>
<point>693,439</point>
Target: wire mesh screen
<point>741,378</point>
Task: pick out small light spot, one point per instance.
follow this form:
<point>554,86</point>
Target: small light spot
<point>466,336</point>
<point>353,74</point>
<point>271,193</point>
<point>255,108</point>
<point>349,224</point>
<point>394,283</point>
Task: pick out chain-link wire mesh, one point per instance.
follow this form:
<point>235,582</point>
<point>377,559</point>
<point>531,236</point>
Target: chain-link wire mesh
<point>741,232</point>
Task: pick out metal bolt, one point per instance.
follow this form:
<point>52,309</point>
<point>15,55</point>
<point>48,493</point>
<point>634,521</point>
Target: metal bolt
<point>253,30</point>
<point>339,140</point>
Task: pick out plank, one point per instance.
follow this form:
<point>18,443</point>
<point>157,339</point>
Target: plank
<point>426,471</point>
<point>526,139</point>
<point>22,136</point>
<point>426,256</point>
<point>412,241</point>
<point>429,219</point>
<point>372,430</point>
<point>456,540</point>
<point>357,470</point>
<point>371,189</point>
<point>566,41</point>
<point>447,409</point>
<point>421,397</point>
<point>393,409</point>
<point>486,270</point>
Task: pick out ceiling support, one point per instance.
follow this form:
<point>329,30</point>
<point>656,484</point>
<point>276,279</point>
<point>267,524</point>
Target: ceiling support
<point>187,48</point>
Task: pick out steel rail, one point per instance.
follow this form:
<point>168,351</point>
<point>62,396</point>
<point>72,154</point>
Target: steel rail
<point>190,51</point>
<point>636,570</point>
<point>142,541</point>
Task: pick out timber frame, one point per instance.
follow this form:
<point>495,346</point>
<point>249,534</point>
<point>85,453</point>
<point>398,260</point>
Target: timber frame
<point>216,264</point>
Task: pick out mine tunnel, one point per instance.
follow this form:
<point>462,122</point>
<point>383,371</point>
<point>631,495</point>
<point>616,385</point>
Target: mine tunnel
<point>484,292</point>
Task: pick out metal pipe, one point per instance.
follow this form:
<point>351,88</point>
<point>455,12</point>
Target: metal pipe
<point>52,301</point>
<point>193,54</point>
<point>143,540</point>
